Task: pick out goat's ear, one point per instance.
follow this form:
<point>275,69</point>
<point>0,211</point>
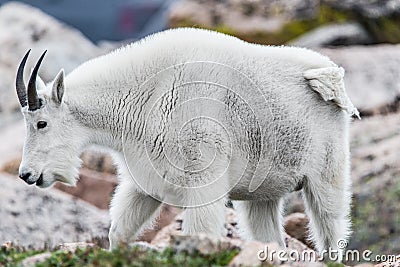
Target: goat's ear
<point>57,91</point>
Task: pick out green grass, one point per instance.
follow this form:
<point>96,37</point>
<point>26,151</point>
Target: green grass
<point>12,256</point>
<point>334,264</point>
<point>123,256</point>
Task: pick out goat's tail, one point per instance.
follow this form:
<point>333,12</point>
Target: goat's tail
<point>328,82</point>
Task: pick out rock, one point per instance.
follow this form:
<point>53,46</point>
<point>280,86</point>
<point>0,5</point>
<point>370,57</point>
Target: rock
<point>163,237</point>
<point>186,10</point>
<point>294,203</point>
<point>166,217</point>
<point>300,255</point>
<point>98,161</point>
<point>34,260</point>
<point>231,225</point>
<point>277,22</point>
<point>35,217</point>
<point>379,17</point>
<point>11,166</point>
<point>350,33</point>
<point>171,236</point>
<point>371,81</point>
<point>71,247</point>
<point>143,246</point>
<point>294,244</point>
<point>23,27</point>
<point>375,144</point>
<point>369,9</point>
<point>269,14</point>
<point>376,184</point>
<point>251,254</point>
<point>296,225</point>
<point>202,243</point>
<point>94,187</point>
<point>254,253</point>
<point>391,263</point>
<point>209,14</point>
<point>7,245</point>
<point>12,140</point>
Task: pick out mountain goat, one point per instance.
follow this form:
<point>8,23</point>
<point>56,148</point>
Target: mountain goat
<point>194,118</point>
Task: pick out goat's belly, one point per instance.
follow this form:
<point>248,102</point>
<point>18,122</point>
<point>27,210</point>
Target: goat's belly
<point>270,187</point>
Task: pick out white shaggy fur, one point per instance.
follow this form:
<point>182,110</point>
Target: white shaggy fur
<point>196,118</point>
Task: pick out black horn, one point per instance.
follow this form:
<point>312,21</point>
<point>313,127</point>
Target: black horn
<point>33,99</point>
<point>19,82</point>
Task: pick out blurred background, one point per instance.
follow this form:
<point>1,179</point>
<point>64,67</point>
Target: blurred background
<point>361,36</point>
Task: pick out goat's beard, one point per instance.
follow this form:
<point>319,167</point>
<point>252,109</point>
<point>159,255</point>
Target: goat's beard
<point>68,173</point>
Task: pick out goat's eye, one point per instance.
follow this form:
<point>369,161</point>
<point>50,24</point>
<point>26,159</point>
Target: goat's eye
<point>41,124</point>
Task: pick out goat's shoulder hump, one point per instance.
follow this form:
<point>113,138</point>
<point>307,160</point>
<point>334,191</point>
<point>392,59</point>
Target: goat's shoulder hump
<point>193,37</point>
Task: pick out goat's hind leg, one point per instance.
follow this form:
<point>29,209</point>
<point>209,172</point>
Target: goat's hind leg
<point>131,211</point>
<point>328,202</point>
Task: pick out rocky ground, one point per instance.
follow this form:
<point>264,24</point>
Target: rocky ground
<point>170,248</point>
<point>277,22</point>
<point>33,217</point>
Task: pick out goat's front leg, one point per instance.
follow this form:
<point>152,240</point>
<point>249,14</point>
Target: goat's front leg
<point>131,211</point>
<point>208,219</point>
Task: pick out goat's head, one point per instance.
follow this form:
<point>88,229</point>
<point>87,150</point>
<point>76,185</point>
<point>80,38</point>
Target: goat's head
<point>50,151</point>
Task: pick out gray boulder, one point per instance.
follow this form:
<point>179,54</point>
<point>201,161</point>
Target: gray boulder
<point>372,74</point>
<point>376,179</point>
<point>334,34</point>
<point>35,217</point>
<point>370,9</point>
<point>380,18</point>
<point>23,27</point>
<point>12,137</point>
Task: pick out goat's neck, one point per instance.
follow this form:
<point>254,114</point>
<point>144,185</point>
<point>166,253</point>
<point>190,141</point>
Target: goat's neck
<point>104,116</point>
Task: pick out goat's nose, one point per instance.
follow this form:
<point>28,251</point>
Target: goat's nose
<point>25,176</point>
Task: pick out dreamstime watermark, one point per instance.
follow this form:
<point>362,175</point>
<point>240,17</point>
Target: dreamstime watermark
<point>339,254</point>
